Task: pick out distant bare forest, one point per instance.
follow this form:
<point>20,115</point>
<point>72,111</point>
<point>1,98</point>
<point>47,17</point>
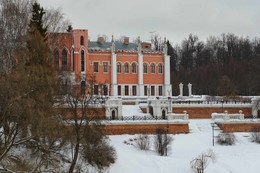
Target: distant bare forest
<point>226,65</point>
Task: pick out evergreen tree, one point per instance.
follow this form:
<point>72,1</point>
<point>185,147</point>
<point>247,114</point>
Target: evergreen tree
<point>26,103</point>
<point>172,53</point>
<point>36,22</point>
<point>70,28</point>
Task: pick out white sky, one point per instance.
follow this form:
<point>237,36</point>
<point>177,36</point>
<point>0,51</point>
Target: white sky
<point>173,19</point>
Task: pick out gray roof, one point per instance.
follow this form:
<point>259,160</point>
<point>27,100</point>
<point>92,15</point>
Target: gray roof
<point>107,45</point>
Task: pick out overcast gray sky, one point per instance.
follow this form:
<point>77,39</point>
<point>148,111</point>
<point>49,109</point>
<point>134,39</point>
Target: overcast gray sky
<point>173,19</point>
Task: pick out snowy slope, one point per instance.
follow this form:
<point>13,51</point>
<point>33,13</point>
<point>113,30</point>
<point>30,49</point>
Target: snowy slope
<point>132,110</point>
<point>240,158</point>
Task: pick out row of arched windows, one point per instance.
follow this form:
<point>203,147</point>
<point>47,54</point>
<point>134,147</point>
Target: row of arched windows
<point>134,68</point>
<point>64,60</point>
<point>126,68</point>
<point>64,64</point>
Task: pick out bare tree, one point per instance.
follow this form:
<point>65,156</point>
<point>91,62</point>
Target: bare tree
<point>255,135</point>
<point>14,19</point>
<point>200,163</point>
<point>162,142</point>
<point>226,139</point>
<point>96,149</point>
<point>143,142</point>
<point>27,90</point>
<point>157,41</point>
<point>86,142</point>
<point>55,21</point>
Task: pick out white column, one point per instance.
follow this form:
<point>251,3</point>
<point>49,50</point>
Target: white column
<point>255,107</point>
<point>140,75</point>
<point>181,89</point>
<point>190,91</point>
<point>113,74</point>
<point>167,84</point>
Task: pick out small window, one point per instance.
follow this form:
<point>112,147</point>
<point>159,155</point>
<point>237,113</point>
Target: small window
<point>83,87</point>
<point>96,89</point>
<point>126,90</point>
<point>152,68</point>
<point>160,90</point>
<point>145,90</point>
<point>82,61</point>
<point>126,67</point>
<point>105,90</point>
<point>56,59</point>
<point>82,41</point>
<point>96,67</point>
<point>134,68</point>
<point>160,68</point>
<point>105,67</point>
<point>73,63</point>
<point>118,67</point>
<point>152,90</point>
<point>145,68</point>
<point>64,60</point>
<point>119,90</point>
<point>134,90</point>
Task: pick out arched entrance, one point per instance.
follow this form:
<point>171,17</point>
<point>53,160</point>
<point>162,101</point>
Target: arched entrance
<point>163,114</point>
<point>113,114</point>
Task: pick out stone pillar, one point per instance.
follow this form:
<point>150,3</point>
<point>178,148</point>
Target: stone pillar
<point>181,89</point>
<point>113,74</point>
<point>167,84</point>
<point>140,74</point>
<point>190,90</point>
<point>255,107</point>
<point>169,106</point>
<point>156,104</point>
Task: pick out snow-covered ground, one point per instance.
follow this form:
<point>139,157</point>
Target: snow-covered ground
<point>243,157</point>
<point>133,110</point>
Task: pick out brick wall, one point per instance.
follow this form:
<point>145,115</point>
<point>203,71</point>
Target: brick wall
<point>205,112</point>
<point>239,127</point>
<point>129,103</point>
<point>119,129</point>
<point>98,113</point>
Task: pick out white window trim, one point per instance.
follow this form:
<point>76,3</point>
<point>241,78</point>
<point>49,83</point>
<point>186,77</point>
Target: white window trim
<point>94,66</point>
<point>107,66</point>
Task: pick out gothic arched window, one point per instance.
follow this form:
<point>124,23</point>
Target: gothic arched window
<point>126,67</point>
<point>82,60</point>
<point>152,68</point>
<point>145,68</point>
<point>82,41</point>
<point>118,67</point>
<point>64,60</point>
<point>160,68</point>
<point>134,68</point>
<point>56,59</point>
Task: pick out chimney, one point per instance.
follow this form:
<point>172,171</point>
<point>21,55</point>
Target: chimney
<point>146,45</point>
<point>101,40</point>
<point>126,40</point>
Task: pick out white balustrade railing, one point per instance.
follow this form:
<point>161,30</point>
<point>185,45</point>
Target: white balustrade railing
<point>226,116</point>
<point>174,116</point>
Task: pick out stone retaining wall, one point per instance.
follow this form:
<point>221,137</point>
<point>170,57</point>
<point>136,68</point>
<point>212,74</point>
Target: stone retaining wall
<point>205,112</point>
<point>119,129</point>
<point>96,113</point>
<point>228,127</point>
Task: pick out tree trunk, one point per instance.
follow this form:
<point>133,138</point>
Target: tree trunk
<point>75,157</point>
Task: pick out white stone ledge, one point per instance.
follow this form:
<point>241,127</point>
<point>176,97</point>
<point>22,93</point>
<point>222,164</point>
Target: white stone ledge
<point>115,122</point>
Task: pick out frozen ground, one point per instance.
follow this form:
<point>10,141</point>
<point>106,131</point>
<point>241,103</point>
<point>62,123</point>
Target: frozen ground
<point>243,157</point>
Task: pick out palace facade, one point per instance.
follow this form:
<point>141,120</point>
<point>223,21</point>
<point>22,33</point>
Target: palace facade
<point>118,68</point>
